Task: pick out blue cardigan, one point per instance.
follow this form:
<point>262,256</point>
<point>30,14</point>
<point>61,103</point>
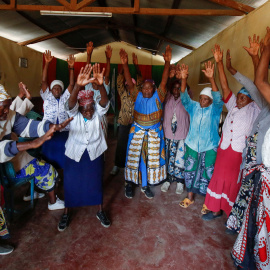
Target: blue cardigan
<point>204,122</point>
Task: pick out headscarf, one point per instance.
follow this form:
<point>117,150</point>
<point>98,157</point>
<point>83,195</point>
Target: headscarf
<point>244,91</point>
<point>149,80</point>
<point>57,82</point>
<point>207,91</point>
<point>85,97</point>
<point>3,94</point>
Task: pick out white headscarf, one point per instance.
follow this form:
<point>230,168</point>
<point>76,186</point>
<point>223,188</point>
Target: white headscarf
<point>207,91</point>
<point>57,82</point>
<point>3,94</point>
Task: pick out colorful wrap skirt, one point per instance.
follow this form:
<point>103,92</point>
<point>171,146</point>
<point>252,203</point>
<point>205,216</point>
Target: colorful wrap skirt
<point>53,150</point>
<point>83,181</point>
<point>236,216</point>
<point>199,168</point>
<point>4,234</point>
<point>175,162</point>
<point>145,161</point>
<point>252,246</point>
<point>223,187</point>
<point>45,174</point>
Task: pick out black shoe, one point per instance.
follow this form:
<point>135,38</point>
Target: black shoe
<point>210,216</point>
<point>129,191</point>
<point>6,249</point>
<point>105,222</point>
<point>230,232</point>
<point>147,192</point>
<point>64,222</point>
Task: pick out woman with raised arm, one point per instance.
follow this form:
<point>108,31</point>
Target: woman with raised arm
<point>83,170</point>
<point>176,125</point>
<point>54,102</point>
<point>202,139</point>
<point>145,160</point>
<point>242,112</point>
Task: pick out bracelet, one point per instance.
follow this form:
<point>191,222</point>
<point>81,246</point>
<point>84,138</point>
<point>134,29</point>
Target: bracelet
<point>71,68</point>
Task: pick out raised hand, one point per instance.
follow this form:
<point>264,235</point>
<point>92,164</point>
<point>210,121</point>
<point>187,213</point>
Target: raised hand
<point>108,52</point>
<point>168,54</point>
<point>254,44</point>
<point>135,59</point>
<point>84,75</point>
<point>172,71</point>
<point>97,75</point>
<point>218,54</point>
<point>123,56</point>
<point>209,69</point>
<point>178,72</point>
<point>228,59</point>
<point>48,56</point>
<point>71,61</point>
<point>89,47</point>
<point>184,71</point>
<point>24,92</point>
<point>58,127</point>
<point>266,41</point>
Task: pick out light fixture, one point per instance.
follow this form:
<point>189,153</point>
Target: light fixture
<point>75,13</point>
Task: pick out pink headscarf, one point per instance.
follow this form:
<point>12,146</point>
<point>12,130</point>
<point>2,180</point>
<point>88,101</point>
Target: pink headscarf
<point>85,97</point>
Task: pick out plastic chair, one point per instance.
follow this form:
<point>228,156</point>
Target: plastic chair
<point>10,184</point>
<point>33,115</point>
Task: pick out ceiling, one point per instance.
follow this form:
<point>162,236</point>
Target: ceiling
<point>184,24</point>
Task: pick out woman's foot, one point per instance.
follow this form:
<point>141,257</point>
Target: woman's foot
<point>147,192</point>
<point>6,249</point>
<point>105,222</point>
<point>179,188</point>
<point>211,215</point>
<point>129,191</point>
<point>186,203</point>
<point>165,186</point>
<point>64,222</point>
<point>59,204</point>
<point>37,195</point>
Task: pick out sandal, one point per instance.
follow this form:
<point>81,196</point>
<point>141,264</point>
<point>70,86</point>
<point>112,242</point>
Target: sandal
<point>205,210</point>
<point>186,203</point>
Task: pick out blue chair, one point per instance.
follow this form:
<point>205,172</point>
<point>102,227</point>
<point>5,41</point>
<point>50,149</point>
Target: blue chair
<point>10,184</point>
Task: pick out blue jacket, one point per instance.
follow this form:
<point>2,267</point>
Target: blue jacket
<point>204,122</point>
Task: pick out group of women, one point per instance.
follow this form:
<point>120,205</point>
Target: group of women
<point>164,136</point>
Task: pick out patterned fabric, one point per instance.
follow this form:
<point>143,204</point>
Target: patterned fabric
<point>55,109</point>
<point>4,234</point>
<point>199,168</point>
<point>3,94</point>
<point>85,97</point>
<point>252,246</point>
<point>147,145</point>
<point>44,173</point>
<point>175,162</point>
<point>236,216</point>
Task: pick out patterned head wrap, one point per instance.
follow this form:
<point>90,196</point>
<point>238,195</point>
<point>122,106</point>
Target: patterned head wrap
<point>3,94</point>
<point>85,97</point>
<point>150,81</point>
<point>244,91</point>
<point>57,82</point>
<point>207,91</point>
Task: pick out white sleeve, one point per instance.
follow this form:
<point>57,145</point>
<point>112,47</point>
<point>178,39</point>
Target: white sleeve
<point>100,110</point>
<point>45,94</point>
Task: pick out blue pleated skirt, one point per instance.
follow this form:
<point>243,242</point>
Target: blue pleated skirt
<point>83,181</point>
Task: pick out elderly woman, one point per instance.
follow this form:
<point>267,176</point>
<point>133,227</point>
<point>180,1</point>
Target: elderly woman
<point>24,164</point>
<point>176,125</point>
<point>242,112</point>
<point>145,160</point>
<point>54,101</point>
<point>202,139</point>
<point>83,170</point>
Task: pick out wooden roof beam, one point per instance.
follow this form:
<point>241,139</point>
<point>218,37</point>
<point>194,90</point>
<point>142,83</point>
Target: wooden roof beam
<point>64,3</point>
<point>233,4</point>
<point>84,3</point>
<point>126,10</point>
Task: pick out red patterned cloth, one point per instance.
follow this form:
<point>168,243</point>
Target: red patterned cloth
<point>85,97</point>
<point>254,235</point>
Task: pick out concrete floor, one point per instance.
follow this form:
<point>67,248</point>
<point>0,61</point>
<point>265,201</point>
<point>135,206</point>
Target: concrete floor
<point>145,234</point>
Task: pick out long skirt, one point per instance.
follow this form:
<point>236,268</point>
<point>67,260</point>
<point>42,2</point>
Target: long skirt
<point>53,151</point>
<point>83,181</point>
<point>45,174</point>
<point>4,234</point>
<point>199,168</point>
<point>236,216</point>
<point>223,187</point>
<point>175,151</point>
<point>121,149</point>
